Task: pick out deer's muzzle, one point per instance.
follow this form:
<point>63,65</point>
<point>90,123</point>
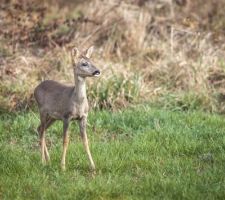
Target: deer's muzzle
<point>96,73</point>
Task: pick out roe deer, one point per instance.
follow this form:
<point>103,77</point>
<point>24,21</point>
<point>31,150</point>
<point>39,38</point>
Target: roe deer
<point>60,102</point>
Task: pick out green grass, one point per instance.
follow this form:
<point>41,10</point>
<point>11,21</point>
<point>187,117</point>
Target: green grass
<point>140,153</point>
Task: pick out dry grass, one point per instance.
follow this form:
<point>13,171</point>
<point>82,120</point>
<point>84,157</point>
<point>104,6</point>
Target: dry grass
<point>148,51</point>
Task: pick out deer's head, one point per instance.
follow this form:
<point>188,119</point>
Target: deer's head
<point>82,64</point>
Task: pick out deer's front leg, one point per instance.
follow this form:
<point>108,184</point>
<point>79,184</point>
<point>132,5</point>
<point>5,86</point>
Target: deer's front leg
<point>65,143</point>
<point>82,124</point>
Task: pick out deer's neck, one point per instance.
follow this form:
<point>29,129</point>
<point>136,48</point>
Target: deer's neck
<point>80,89</point>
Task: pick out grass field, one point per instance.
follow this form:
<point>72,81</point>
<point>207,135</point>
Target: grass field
<point>140,153</point>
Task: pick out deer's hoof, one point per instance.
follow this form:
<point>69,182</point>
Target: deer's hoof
<point>93,173</point>
<point>63,167</point>
<point>43,161</point>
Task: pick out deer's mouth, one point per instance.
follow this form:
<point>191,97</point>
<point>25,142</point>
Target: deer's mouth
<point>96,73</point>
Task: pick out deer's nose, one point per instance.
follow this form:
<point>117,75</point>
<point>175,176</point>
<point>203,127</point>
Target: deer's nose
<point>96,73</point>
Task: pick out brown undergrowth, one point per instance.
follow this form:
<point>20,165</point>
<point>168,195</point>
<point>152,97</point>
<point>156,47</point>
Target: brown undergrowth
<point>165,52</point>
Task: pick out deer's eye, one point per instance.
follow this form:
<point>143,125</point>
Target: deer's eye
<point>84,64</point>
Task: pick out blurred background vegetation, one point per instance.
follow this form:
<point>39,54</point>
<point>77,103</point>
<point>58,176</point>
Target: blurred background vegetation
<point>166,52</point>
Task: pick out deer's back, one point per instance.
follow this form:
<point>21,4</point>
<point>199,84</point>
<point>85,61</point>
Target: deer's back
<point>53,97</point>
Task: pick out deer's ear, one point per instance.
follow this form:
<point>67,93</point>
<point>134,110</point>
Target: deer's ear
<point>75,53</point>
<point>89,51</point>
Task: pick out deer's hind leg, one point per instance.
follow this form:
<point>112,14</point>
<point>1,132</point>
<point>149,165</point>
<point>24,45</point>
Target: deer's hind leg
<point>45,123</point>
<point>41,130</point>
<point>49,122</point>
